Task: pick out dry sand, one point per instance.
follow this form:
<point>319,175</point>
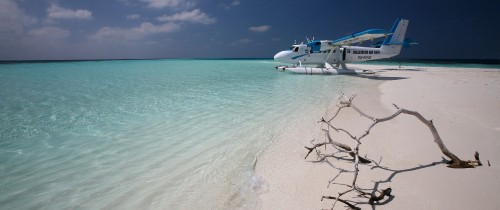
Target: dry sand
<point>464,104</point>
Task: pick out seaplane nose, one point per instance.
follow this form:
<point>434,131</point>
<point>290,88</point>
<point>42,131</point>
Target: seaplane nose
<point>281,56</point>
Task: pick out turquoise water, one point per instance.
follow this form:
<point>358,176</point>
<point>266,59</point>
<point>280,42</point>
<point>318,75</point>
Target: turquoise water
<point>151,134</point>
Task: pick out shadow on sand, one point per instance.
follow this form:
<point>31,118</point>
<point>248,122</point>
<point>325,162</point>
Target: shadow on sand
<point>376,77</point>
<point>385,78</point>
<point>376,185</point>
<point>403,69</point>
<point>393,174</point>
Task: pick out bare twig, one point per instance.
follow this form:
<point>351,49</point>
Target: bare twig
<point>347,102</point>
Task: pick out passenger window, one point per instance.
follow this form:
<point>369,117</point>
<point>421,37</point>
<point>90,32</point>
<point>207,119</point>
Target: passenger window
<point>370,52</point>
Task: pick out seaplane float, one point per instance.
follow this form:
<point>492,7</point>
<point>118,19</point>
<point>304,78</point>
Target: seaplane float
<point>331,56</point>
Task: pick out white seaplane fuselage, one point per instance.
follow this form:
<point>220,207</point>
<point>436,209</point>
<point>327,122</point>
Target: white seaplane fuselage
<point>348,54</point>
<point>330,57</point>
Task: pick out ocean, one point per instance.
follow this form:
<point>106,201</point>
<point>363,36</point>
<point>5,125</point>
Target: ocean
<point>147,134</point>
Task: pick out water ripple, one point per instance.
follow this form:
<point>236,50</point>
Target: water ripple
<point>179,134</point>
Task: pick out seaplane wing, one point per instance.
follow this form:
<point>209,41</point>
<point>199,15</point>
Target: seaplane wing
<point>360,37</point>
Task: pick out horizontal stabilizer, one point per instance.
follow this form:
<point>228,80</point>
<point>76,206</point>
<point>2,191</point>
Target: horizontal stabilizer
<point>408,43</point>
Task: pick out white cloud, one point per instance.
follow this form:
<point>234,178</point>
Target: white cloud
<point>13,20</point>
<point>57,12</point>
<point>51,33</point>
<point>195,16</point>
<point>159,4</point>
<point>128,2</point>
<point>241,41</point>
<point>235,3</point>
<point>244,41</point>
<point>133,16</point>
<point>136,33</point>
<point>263,28</point>
<point>232,4</point>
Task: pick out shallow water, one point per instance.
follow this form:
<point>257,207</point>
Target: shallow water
<point>150,134</point>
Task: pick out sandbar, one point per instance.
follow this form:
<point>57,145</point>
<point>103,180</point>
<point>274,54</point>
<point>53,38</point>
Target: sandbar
<point>464,104</point>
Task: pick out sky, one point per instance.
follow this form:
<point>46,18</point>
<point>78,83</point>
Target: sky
<point>150,29</point>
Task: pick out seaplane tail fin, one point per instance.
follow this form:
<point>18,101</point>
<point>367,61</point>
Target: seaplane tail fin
<point>396,39</point>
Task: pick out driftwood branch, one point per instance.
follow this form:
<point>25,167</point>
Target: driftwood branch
<point>385,192</point>
<point>342,147</point>
<point>346,102</point>
<point>455,161</point>
<point>352,206</point>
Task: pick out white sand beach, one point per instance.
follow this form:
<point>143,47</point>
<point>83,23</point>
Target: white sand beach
<point>464,104</point>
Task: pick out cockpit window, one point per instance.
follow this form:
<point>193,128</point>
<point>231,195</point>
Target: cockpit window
<point>296,49</point>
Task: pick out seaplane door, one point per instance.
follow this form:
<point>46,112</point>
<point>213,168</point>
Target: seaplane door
<point>341,53</point>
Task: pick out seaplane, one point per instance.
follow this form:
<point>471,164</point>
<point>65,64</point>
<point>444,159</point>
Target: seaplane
<point>331,56</point>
